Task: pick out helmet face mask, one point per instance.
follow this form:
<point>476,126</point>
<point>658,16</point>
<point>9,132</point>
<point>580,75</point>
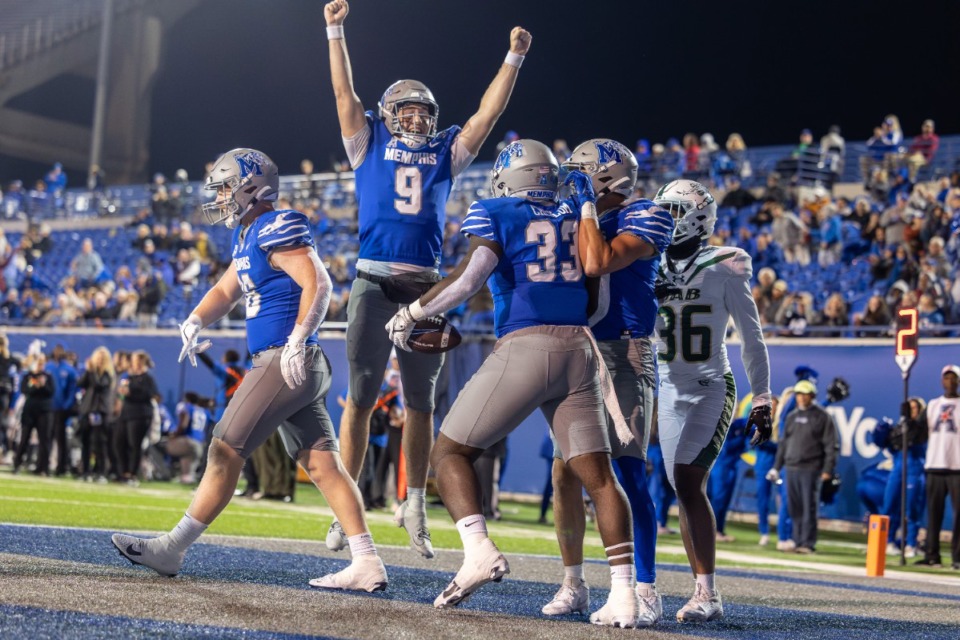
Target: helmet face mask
<point>611,166</point>
<point>242,178</point>
<point>692,206</point>
<point>396,99</point>
<point>525,169</point>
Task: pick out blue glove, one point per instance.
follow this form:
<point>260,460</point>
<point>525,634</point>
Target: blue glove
<point>580,187</point>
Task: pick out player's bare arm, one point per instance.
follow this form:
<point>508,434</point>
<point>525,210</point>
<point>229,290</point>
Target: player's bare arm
<point>462,283</point>
<point>495,99</point>
<point>349,107</point>
<point>220,299</point>
<point>599,257</point>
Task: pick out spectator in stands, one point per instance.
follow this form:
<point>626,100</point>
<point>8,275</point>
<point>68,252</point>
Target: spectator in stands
<point>737,152</point>
<point>38,387</point>
<point>87,265</point>
<point>942,466</point>
<point>923,149</point>
<point>864,216</point>
<point>161,237</point>
<point>56,180</point>
<point>773,190</point>
<point>808,451</point>
<point>101,311</point>
<point>561,149</point>
<point>142,237</point>
<point>778,295</point>
<point>139,392</point>
<point>796,314</point>
<point>806,141</point>
<point>187,268</point>
<point>150,291</point>
<point>834,314</point>
<point>206,248</point>
<point>893,220</point>
<point>766,252</point>
<point>185,238</point>
<point>832,149</point>
<point>876,314</point>
<point>898,185</point>
<point>674,160</point>
<point>691,155</point>
<point>929,313</point>
<point>905,268</point>
<point>736,195</point>
<point>790,233</point>
<point>831,240</point>
<point>937,258</point>
<point>97,382</point>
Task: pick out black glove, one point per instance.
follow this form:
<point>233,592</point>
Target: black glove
<point>663,289</point>
<point>762,419</point>
<point>829,489</point>
<point>838,390</point>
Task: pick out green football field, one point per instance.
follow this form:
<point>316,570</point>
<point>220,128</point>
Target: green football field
<point>157,507</point>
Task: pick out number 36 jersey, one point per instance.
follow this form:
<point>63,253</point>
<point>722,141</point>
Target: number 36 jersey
<point>538,280</point>
<point>704,292</point>
<point>271,296</point>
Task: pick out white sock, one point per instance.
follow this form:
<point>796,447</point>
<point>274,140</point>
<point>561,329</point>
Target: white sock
<point>184,534</point>
<point>646,589</point>
<point>573,571</point>
<point>623,575</point>
<point>416,496</point>
<point>706,580</point>
<point>361,545</point>
<point>473,531</point>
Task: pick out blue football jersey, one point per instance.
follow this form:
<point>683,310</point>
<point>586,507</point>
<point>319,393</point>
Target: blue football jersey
<point>633,305</point>
<point>538,280</point>
<point>402,197</point>
<point>271,296</point>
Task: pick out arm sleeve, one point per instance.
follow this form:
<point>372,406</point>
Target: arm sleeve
<point>460,157</point>
<point>357,145</point>
<point>482,263</point>
<point>740,304</point>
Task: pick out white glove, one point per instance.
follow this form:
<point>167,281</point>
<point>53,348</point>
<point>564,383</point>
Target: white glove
<point>292,366</point>
<point>773,475</point>
<point>189,330</point>
<point>401,325</point>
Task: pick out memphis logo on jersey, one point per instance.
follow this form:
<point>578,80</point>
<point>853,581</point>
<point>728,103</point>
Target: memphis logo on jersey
<point>250,163</point>
<point>409,157</point>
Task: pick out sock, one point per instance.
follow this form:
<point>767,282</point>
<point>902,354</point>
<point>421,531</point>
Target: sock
<point>646,589</point>
<point>473,531</point>
<point>623,575</point>
<point>361,545</point>
<point>706,580</point>
<point>416,496</point>
<point>184,534</point>
<point>573,571</point>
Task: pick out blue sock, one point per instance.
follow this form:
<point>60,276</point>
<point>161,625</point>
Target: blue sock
<point>632,472</point>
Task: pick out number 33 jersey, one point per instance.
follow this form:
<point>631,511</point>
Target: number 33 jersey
<point>271,296</point>
<point>538,280</point>
<point>704,292</point>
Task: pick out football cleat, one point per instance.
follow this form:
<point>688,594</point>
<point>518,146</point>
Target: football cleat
<point>572,597</point>
<point>415,522</point>
<point>651,608</point>
<point>365,573</point>
<point>141,551</point>
<point>479,568</point>
<point>621,610</point>
<point>764,540</point>
<point>336,538</point>
<point>704,606</point>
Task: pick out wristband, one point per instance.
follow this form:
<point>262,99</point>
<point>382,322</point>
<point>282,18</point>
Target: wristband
<point>589,212</point>
<point>335,32</point>
<point>416,310</point>
<point>513,59</point>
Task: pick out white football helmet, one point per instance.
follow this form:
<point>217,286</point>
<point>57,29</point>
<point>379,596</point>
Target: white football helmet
<point>692,206</point>
<point>525,169</point>
<point>611,166</point>
<point>251,176</point>
<point>399,94</point>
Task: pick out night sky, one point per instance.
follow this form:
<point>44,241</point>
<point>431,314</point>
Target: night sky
<point>255,73</point>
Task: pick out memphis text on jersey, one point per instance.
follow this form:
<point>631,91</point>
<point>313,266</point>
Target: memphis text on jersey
<point>409,157</point>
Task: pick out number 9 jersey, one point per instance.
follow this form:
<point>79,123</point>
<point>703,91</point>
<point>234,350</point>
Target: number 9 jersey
<point>538,280</point>
<point>271,296</point>
<point>705,291</point>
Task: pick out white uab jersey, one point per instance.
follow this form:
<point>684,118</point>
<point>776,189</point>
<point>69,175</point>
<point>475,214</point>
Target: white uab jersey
<point>705,290</point>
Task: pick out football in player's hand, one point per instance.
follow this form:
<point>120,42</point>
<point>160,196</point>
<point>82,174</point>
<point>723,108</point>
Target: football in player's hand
<point>434,335</point>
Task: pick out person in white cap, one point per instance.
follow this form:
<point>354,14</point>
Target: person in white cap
<point>942,466</point>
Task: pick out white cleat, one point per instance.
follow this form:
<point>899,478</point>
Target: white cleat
<point>415,522</point>
<point>141,551</point>
<point>365,573</point>
<point>573,597</point>
<point>621,610</point>
<point>479,568</point>
<point>651,609</point>
<point>336,539</point>
<point>764,540</point>
<point>704,606</point>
